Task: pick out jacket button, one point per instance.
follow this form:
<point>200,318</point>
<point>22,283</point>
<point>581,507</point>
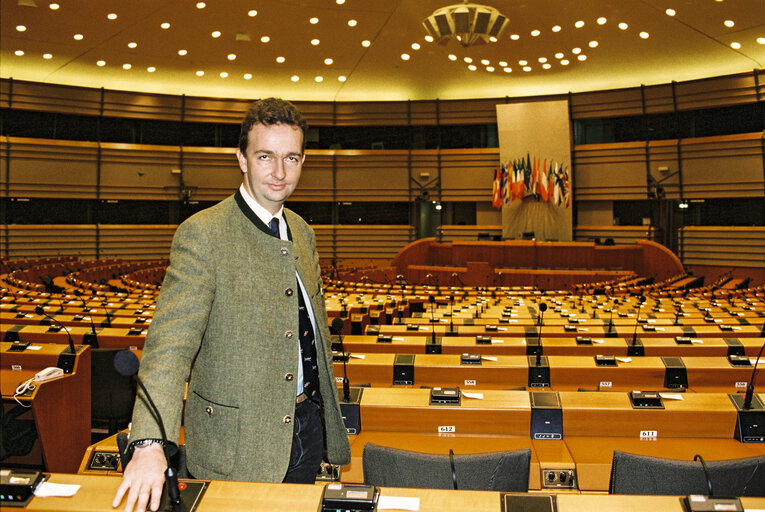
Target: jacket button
<point>287,419</point>
<point>289,334</point>
<point>285,251</point>
<point>289,377</point>
<point>209,410</point>
<point>288,292</point>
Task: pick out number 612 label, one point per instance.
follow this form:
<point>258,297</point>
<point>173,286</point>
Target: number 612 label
<point>446,429</point>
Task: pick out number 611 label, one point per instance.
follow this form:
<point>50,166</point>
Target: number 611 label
<point>446,429</point>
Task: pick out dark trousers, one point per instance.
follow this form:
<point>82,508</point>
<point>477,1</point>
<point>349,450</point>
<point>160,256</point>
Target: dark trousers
<point>307,444</point>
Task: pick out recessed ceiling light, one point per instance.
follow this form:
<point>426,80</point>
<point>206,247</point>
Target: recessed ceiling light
<point>132,44</point>
<point>729,23</point>
<point>556,28</point>
<point>405,56</point>
<point>535,33</point>
<point>593,44</point>
<point>341,78</point>
<point>265,39</point>
<point>472,67</point>
<point>502,64</point>
<point>223,74</point>
<point>314,20</point>
<point>523,62</point>
<point>328,61</point>
<point>582,57</point>
<point>294,78</point>
<point>19,53</point>
<point>735,45</point>
<point>576,51</point>
<point>352,23</point>
<point>21,28</point>
<point>493,39</point>
<point>318,79</point>
<point>515,37</point>
<point>542,59</point>
<point>670,12</point>
<point>201,5</point>
<point>101,63</point>
<point>165,26</point>
<point>490,69</point>
<point>182,52</point>
<point>252,13</point>
<point>47,56</point>
<point>111,16</point>
<point>365,43</point>
<point>151,69</point>
<point>507,70</point>
<point>429,38</point>
<point>559,55</point>
<point>415,46</point>
<point>231,56</point>
<point>216,34</point>
<point>485,62</point>
<point>452,56</point>
<point>579,24</point>
<point>644,35</point>
<point>315,42</point>
<point>623,26</point>
<point>126,66</point>
<point>546,66</point>
<point>564,62</point>
<point>54,6</point>
<point>200,73</point>
<point>602,20</point>
<point>527,68</point>
<point>247,76</point>
<point>340,2</point>
<point>468,59</point>
<point>78,37</point>
<point>761,40</point>
<point>280,59</point>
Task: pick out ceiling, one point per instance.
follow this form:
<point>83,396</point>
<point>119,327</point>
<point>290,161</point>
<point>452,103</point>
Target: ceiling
<point>694,43</point>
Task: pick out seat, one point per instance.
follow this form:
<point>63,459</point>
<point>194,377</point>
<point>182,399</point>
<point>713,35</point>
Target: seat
<point>112,395</point>
<point>493,471</point>
<point>640,474</point>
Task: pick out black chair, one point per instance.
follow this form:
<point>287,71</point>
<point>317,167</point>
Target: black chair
<point>640,474</point>
<point>493,471</point>
<point>112,395</point>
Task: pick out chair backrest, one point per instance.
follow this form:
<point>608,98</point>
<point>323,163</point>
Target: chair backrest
<point>640,474</point>
<point>493,471</point>
<point>112,394</point>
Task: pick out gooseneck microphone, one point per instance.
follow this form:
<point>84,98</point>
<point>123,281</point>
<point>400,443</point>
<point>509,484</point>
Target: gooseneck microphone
<point>542,309</point>
<point>41,312</point>
<point>451,313</point>
<point>432,301</point>
<point>126,363</point>
<point>641,300</point>
<point>611,314</point>
<point>750,387</point>
<point>337,326</point>
<point>85,309</point>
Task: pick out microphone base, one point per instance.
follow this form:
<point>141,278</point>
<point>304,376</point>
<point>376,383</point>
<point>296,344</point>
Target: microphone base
<point>66,360</point>
<point>635,349</point>
<point>90,338</point>
<point>750,423</point>
<point>351,410</point>
<point>539,376</point>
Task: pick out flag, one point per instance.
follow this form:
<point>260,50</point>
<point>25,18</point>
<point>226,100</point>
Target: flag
<point>542,183</point>
<point>496,192</point>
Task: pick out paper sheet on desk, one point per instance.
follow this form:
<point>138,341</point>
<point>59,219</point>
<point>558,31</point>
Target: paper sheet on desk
<point>47,490</point>
<point>477,396</point>
<point>624,359</point>
<point>358,356</point>
<point>671,396</point>
<point>397,503</point>
<point>489,358</point>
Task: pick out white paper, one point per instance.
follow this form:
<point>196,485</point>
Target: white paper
<point>358,356</point>
<point>398,338</point>
<point>34,347</point>
<point>597,341</point>
<point>477,396</point>
<point>398,503</point>
<point>671,396</point>
<point>47,489</point>
<point>489,358</point>
<point>495,340</point>
<point>696,340</point>
<point>624,359</point>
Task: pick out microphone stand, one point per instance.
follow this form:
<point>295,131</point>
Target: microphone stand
<point>636,347</point>
<point>89,338</point>
<point>350,406</point>
<point>65,359</point>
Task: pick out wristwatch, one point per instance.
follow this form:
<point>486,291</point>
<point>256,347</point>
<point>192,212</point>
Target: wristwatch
<point>146,442</point>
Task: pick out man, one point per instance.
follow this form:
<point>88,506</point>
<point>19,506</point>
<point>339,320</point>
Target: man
<point>241,315</point>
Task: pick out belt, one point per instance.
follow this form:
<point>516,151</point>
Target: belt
<point>302,397</point>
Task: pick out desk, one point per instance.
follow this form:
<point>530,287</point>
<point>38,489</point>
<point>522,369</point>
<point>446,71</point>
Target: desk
<point>96,493</point>
<point>60,406</point>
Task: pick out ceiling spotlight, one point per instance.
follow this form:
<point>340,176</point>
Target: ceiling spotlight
<point>523,62</point>
<point>365,43</point>
<point>472,67</point>
<point>314,20</point>
<point>294,78</point>
<point>339,2</point>
<point>352,23</point>
<point>328,61</point>
<point>683,204</point>
<point>319,79</point>
<point>490,69</point>
<point>670,12</point>
<point>223,74</point>
<point>623,26</point>
<point>47,56</point>
<point>556,28</point>
<point>165,26</point>
<point>493,39</point>
<point>502,64</point>
<point>405,56</point>
<point>429,38</point>
<point>579,24</point>
<point>231,56</point>
<point>468,59</point>
<point>200,73</point>
<point>280,59</point>
<point>21,28</point>
<point>111,16</point>
<point>101,63</point>
<point>542,60</point>
<point>216,34</point>
<point>602,21</point>
<point>252,13</point>
<point>466,23</point>
<point>576,51</point>
<point>507,70</point>
<point>452,57</point>
<point>535,33</point>
<point>265,39</point>
<point>527,68</point>
<point>415,46</point>
<point>761,40</point>
<point>341,78</point>
<point>54,6</point>
<point>247,76</point>
<point>132,44</point>
<point>593,44</point>
<point>78,37</point>
<point>559,55</point>
<point>735,45</point>
<point>126,66</point>
<point>644,35</point>
<point>182,52</point>
<point>729,23</point>
<point>19,53</point>
<point>546,66</point>
<point>315,42</point>
<point>485,62</point>
<point>201,5</point>
<point>515,37</point>
<point>151,69</point>
<point>582,57</point>
<point>564,62</point>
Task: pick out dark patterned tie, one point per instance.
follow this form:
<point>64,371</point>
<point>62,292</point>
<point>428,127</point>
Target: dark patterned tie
<point>307,337</point>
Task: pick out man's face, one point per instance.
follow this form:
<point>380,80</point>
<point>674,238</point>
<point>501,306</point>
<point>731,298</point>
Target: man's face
<point>271,168</point>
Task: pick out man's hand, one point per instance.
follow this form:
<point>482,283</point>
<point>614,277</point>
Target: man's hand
<point>143,478</point>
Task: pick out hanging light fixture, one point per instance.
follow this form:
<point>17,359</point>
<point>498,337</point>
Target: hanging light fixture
<point>466,23</point>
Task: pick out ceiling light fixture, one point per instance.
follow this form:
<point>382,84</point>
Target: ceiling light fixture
<point>111,16</point>
<point>602,21</point>
<point>265,39</point>
<point>466,23</point>
<point>223,74</point>
<point>54,6</point>
<point>216,34</point>
<point>556,28</point>
<point>319,79</point>
<point>623,26</point>
<point>165,26</point>
<point>365,43</point>
<point>341,78</point>
<point>535,33</point>
<point>21,28</point>
<point>231,56</point>
<point>472,67</point>
<point>314,20</point>
<point>415,46</point>
<point>200,73</point>
<point>294,78</point>
<point>19,53</point>
<point>252,13</point>
<point>735,45</point>
<point>78,37</point>
<point>405,56</point>
<point>729,23</point>
<point>151,69</point>
<point>280,59</point>
<point>328,61</point>
<point>515,37</point>
<point>670,12</point>
<point>352,23</point>
<point>126,66</point>
<point>101,63</point>
<point>47,56</point>
<point>247,76</point>
<point>315,42</point>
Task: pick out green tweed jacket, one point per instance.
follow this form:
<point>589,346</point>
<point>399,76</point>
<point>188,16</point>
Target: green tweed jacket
<point>226,321</point>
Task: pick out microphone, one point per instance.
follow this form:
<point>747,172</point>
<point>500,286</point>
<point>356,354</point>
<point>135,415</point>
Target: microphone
<point>126,363</point>
<point>750,387</point>
<point>432,301</point>
<point>699,458</point>
<point>641,300</point>
<point>337,326</point>
<point>40,311</point>
<point>451,313</point>
<point>542,309</point>
<point>611,315</point>
<point>94,340</point>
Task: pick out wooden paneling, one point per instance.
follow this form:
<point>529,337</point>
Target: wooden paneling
<point>723,245</point>
<point>467,233</point>
<point>620,234</point>
<point>135,241</point>
<point>344,241</point>
<point>610,171</point>
<point>24,241</point>
<point>467,174</point>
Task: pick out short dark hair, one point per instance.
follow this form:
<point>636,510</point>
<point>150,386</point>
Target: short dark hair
<point>270,111</point>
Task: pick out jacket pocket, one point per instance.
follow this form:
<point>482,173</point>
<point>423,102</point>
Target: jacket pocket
<point>212,433</point>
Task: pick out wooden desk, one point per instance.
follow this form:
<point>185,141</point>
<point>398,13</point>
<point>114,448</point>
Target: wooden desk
<point>60,407</point>
<point>96,493</point>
